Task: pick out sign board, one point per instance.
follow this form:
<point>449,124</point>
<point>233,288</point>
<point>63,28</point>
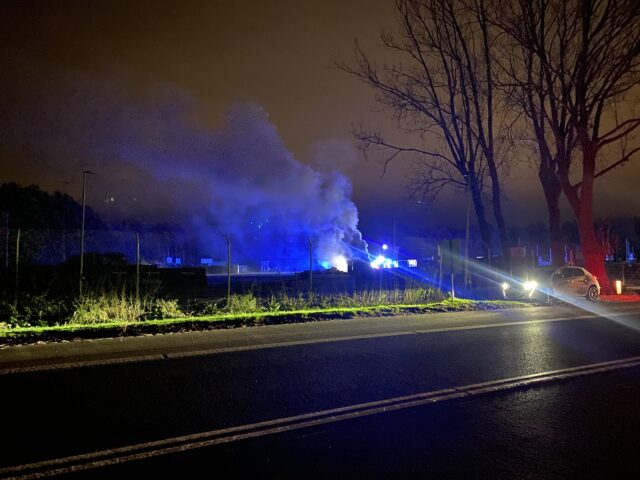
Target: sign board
<point>451,260</point>
<point>518,252</point>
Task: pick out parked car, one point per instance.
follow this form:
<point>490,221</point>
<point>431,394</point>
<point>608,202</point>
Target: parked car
<point>575,282</point>
<point>535,285</point>
<point>562,282</point>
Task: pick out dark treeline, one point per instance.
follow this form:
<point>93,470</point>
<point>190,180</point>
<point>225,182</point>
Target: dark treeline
<point>32,208</point>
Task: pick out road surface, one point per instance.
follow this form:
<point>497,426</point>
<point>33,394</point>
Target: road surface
<point>547,392</point>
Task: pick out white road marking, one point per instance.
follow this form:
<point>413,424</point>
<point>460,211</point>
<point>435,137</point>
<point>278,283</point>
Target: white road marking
<point>141,451</point>
<point>242,348</point>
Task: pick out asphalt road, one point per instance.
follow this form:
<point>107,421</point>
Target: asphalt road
<point>215,390</point>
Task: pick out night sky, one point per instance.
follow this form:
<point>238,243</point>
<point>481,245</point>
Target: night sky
<point>213,55</point>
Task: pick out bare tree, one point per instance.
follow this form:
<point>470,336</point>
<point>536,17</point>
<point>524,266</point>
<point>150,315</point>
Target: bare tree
<point>585,60</point>
<point>529,86</point>
<point>441,90</point>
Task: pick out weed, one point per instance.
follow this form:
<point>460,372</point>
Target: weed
<point>159,308</point>
<point>107,308</point>
<point>246,303</point>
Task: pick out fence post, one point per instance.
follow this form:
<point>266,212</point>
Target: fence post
<point>6,241</point>
<point>228,270</point>
<point>137,266</point>
<point>453,288</point>
<point>64,245</point>
<point>310,268</point>
<point>17,267</point>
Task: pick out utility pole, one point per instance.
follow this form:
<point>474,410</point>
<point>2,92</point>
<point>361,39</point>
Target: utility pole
<point>228,270</point>
<point>84,191</point>
<point>310,267</point>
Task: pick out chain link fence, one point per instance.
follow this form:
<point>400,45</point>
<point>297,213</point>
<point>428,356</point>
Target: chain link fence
<point>174,265</point>
<point>169,264</point>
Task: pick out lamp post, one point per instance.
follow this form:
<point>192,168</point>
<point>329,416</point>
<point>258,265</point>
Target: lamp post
<point>84,191</point>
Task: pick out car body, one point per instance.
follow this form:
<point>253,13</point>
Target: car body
<point>532,286</point>
<point>563,282</point>
<point>575,282</point>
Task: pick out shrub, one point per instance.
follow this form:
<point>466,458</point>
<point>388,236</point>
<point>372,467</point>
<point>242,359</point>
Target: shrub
<point>288,303</point>
<point>34,310</point>
<point>107,308</point>
<point>273,304</point>
<point>39,310</point>
<point>10,317</point>
<point>160,308</point>
<point>245,303</point>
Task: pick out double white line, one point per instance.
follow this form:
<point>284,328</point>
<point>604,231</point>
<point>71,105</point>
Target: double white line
<point>168,446</point>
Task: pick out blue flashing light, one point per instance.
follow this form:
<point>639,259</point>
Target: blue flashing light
<point>383,262</point>
<point>378,261</point>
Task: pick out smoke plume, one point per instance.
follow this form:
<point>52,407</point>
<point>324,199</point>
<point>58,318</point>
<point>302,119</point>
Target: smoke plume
<point>155,164</point>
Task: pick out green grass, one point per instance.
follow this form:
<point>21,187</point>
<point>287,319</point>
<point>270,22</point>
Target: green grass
<point>117,327</point>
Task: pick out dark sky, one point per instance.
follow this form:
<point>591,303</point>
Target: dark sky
<point>275,53</point>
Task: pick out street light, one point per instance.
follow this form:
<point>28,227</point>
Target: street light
<point>84,191</point>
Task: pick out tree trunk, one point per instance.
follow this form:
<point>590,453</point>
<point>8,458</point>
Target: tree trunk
<point>483,225</point>
<point>593,254</point>
<point>497,212</point>
<point>591,248</point>
<point>552,189</point>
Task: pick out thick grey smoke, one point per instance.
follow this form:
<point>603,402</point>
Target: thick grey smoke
<point>155,164</point>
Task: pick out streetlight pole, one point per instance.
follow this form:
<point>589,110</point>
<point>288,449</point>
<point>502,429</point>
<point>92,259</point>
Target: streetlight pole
<point>84,191</point>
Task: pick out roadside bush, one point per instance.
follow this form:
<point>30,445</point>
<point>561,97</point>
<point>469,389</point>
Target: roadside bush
<point>10,317</point>
<point>273,304</point>
<point>34,310</point>
<point>422,295</point>
<point>246,303</point>
<point>288,303</point>
<point>210,308</point>
<point>39,310</point>
<point>160,308</point>
<point>107,308</point>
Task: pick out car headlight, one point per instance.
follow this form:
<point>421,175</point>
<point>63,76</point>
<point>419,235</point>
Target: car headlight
<point>530,285</point>
<point>505,286</point>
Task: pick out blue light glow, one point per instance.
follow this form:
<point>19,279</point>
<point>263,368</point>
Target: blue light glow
<point>383,262</point>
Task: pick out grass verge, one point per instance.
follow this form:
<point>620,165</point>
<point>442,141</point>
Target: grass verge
<point>119,328</point>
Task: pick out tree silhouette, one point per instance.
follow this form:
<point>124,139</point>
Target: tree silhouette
<point>441,91</point>
<point>581,60</point>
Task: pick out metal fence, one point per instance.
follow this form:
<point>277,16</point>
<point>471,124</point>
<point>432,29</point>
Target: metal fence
<point>175,264</point>
<point>627,273</point>
<point>169,263</point>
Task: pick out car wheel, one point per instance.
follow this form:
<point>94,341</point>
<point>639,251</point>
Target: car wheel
<point>592,293</point>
